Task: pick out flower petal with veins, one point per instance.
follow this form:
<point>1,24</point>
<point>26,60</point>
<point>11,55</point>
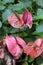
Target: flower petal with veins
<point>13,45</point>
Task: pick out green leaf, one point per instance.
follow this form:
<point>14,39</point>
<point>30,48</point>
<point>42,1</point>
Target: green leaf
<point>25,0</point>
<point>39,15</point>
<point>6,13</point>
<point>14,30</point>
<point>25,63</point>
<point>39,31</point>
<point>2,7</point>
<point>10,29</point>
<point>19,6</point>
<point>40,12</point>
<point>31,59</point>
<point>39,28</point>
<point>8,1</point>
<point>40,2</point>
<point>28,4</point>
<point>16,6</point>
<point>0,24</point>
<point>39,61</point>
<point>2,32</point>
<point>32,64</point>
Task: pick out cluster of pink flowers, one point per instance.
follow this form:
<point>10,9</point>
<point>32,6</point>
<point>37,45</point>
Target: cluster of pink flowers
<point>17,46</point>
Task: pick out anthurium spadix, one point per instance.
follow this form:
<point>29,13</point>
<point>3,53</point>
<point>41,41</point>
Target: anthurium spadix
<point>15,45</point>
<point>20,20</point>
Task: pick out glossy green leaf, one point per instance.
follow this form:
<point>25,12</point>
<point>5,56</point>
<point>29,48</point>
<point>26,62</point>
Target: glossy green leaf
<point>26,63</point>
<point>39,15</point>
<point>8,1</point>
<point>6,13</point>
<point>40,2</point>
<point>39,61</point>
<point>14,30</point>
<point>0,24</point>
<point>40,12</point>
<point>2,7</point>
<point>31,59</point>
<point>2,32</point>
<point>39,28</point>
<point>19,6</point>
<point>16,6</point>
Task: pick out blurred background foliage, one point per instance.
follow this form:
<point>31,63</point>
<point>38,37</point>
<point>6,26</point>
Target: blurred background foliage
<point>36,8</point>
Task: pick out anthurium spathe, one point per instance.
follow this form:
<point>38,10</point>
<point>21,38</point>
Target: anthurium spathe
<point>20,20</point>
<point>34,49</point>
<point>27,18</point>
<point>15,45</point>
<point>39,42</point>
<point>29,50</point>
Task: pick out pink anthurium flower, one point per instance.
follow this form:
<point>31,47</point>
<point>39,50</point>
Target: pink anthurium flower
<point>34,49</point>
<point>20,20</point>
<point>15,45</point>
